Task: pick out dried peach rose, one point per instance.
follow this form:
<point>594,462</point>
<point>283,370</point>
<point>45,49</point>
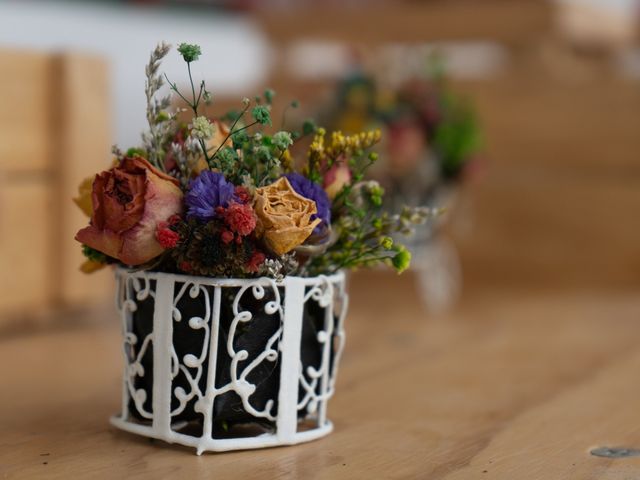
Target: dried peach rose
<point>284,217</point>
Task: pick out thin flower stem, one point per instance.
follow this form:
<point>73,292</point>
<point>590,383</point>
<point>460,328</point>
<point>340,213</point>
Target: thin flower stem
<point>352,261</point>
<point>203,147</point>
<point>193,91</point>
<point>284,116</point>
<point>173,87</point>
<point>194,107</point>
<point>231,132</point>
<point>246,126</point>
<point>200,92</point>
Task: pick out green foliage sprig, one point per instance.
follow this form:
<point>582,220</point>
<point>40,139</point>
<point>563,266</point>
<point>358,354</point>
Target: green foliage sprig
<point>457,136</point>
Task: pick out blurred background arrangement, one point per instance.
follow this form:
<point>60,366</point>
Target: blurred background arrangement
<point>520,117</point>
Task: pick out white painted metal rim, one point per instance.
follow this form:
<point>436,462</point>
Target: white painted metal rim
<point>265,440</point>
<point>227,282</point>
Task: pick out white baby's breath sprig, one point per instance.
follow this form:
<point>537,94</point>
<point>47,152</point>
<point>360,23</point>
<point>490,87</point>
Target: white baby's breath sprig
<point>278,268</point>
<point>201,128</point>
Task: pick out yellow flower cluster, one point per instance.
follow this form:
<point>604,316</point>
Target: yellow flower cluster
<point>348,144</point>
<point>317,145</point>
<point>286,161</point>
<point>340,144</point>
<point>316,152</point>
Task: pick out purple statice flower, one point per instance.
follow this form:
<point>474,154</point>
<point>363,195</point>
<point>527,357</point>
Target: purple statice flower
<point>207,192</point>
<point>311,190</point>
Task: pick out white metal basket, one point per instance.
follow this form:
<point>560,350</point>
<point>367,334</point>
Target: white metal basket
<point>188,360</point>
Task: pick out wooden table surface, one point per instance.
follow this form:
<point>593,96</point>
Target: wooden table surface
<point>507,386</point>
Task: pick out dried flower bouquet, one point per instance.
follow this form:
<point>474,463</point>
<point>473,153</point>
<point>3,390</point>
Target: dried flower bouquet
<point>225,198</point>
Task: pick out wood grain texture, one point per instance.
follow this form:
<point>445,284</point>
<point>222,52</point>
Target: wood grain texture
<point>26,116</point>
<point>25,247</point>
<point>560,184</point>
<point>403,21</point>
<point>83,149</point>
<point>54,132</point>
<point>507,386</point>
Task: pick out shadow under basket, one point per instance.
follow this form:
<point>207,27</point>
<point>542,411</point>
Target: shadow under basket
<point>229,364</point>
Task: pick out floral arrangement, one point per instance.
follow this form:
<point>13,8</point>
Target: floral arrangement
<point>226,197</point>
<point>445,121</point>
<point>432,137</point>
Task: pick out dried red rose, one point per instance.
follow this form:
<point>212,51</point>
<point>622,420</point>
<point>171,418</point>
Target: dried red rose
<point>129,201</point>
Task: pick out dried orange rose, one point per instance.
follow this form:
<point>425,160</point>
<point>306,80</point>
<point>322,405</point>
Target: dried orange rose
<point>284,217</point>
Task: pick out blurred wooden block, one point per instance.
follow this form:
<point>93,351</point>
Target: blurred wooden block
<point>498,20</point>
<point>54,131</point>
<point>584,125</point>
<point>598,26</point>
<point>84,145</point>
<point>559,203</point>
<point>26,109</point>
<point>25,246</point>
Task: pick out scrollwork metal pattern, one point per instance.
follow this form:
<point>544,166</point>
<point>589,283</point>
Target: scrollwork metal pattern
<point>190,361</point>
<point>198,393</point>
<point>239,383</point>
<point>131,290</point>
<point>318,384</point>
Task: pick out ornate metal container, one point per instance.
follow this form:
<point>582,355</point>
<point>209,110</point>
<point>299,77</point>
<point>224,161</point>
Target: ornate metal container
<point>227,364</point>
